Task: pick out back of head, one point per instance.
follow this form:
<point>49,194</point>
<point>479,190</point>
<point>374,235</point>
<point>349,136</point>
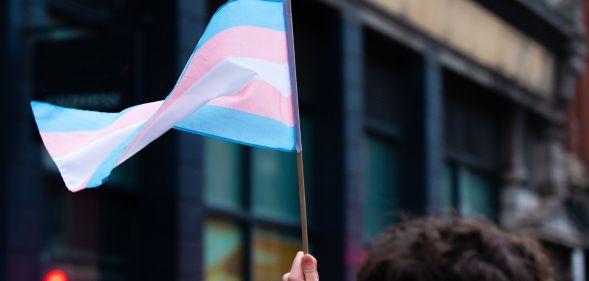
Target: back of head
<point>456,250</point>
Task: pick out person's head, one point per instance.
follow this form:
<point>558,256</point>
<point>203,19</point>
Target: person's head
<point>456,250</point>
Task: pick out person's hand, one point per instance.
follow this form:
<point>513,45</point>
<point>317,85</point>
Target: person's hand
<point>304,268</point>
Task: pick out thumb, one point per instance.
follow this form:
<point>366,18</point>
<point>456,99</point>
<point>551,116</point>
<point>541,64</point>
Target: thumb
<point>309,264</point>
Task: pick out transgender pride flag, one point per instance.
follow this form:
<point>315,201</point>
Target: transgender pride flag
<point>236,87</point>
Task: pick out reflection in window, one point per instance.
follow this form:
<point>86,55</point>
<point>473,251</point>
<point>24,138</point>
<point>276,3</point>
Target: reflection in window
<point>381,174</point>
<point>223,251</point>
<point>273,253</point>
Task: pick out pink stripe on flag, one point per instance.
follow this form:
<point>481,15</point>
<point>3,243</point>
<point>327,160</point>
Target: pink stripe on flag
<point>255,99</point>
<point>61,143</point>
<point>244,41</point>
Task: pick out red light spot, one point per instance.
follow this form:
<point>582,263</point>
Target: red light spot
<point>55,275</point>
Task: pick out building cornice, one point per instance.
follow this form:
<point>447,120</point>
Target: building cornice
<point>538,21</point>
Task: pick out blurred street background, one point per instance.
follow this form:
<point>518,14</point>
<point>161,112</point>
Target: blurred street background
<point>409,107</point>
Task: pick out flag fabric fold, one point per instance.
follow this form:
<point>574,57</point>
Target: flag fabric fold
<point>235,87</point>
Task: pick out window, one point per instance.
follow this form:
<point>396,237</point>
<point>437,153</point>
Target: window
<point>477,195</point>
<point>391,81</point>
<point>381,169</point>
<point>252,204</point>
<point>470,178</point>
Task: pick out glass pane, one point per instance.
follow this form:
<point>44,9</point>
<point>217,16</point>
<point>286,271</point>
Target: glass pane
<point>381,174</point>
<point>471,127</point>
<point>477,196</point>
<point>274,183</point>
<point>223,251</point>
<point>223,174</point>
<point>446,193</point>
<point>273,253</point>
<point>391,74</point>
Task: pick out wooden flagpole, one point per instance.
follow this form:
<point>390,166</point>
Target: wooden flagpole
<point>302,201</point>
<point>299,145</point>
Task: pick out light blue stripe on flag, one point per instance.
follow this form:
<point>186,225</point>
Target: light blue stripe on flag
<point>264,14</point>
<point>260,13</point>
<point>53,118</point>
<point>232,125</point>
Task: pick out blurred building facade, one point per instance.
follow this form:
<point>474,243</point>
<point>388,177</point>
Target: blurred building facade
<point>410,107</point>
<point>577,157</point>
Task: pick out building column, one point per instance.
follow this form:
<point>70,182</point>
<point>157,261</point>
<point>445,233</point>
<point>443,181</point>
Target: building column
<point>433,103</point>
<point>158,164</point>
<point>191,21</point>
<point>353,116</point>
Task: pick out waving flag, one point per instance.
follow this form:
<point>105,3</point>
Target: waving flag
<point>236,87</point>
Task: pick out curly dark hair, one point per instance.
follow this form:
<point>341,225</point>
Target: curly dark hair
<point>431,249</point>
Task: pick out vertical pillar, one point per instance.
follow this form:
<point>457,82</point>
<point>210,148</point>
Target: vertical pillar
<point>353,116</point>
<point>192,18</point>
<point>158,164</point>
<point>3,142</point>
<point>318,36</point>
<point>21,180</point>
<point>433,103</point>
